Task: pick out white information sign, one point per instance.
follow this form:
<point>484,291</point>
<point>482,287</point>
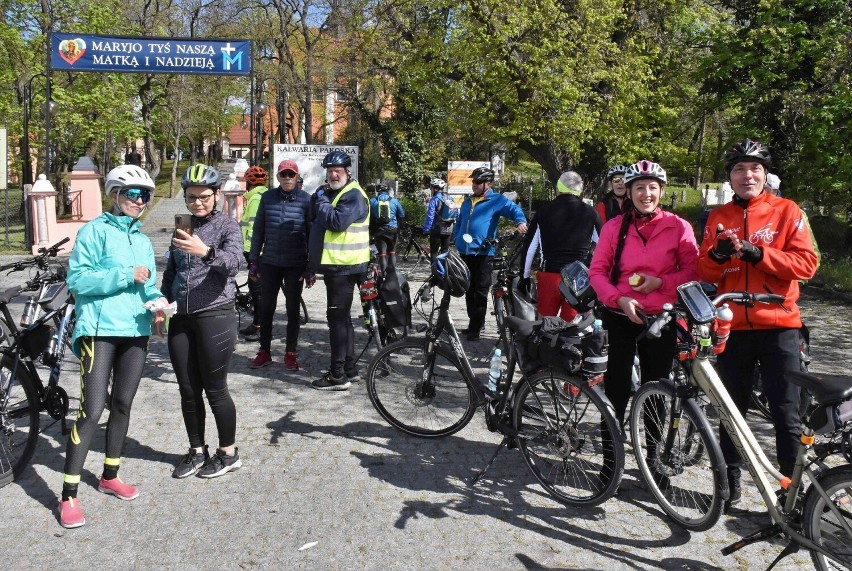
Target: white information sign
<point>309,158</point>
<point>458,175</point>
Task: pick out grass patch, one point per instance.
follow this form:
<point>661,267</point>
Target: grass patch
<point>834,274</point>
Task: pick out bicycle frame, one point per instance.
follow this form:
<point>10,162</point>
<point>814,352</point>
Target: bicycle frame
<point>759,466</point>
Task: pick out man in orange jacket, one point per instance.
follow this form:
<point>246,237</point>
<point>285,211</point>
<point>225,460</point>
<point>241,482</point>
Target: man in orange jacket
<point>759,243</point>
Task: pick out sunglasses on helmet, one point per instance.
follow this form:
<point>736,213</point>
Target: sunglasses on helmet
<point>135,193</point>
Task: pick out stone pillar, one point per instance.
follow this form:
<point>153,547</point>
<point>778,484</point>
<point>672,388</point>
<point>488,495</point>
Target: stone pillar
<point>232,193</point>
<point>42,199</point>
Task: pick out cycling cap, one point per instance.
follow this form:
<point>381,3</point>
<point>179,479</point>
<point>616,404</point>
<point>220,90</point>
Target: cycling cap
<point>747,150</point>
<point>773,182</point>
<point>200,175</point>
<point>482,174</point>
<point>255,175</point>
<point>616,170</point>
<point>336,159</point>
<point>642,170</point>
<point>437,183</point>
<point>127,176</point>
<point>451,273</point>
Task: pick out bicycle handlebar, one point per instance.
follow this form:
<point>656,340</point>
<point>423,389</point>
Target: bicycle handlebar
<point>40,260</point>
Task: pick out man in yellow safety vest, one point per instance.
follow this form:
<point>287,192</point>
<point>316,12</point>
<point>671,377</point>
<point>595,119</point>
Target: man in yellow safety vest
<point>339,249</point>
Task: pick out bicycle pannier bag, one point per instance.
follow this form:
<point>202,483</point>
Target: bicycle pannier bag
<point>395,299</point>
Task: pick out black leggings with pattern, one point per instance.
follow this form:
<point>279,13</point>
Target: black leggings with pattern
<point>123,358</point>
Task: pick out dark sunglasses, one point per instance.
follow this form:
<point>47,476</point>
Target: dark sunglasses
<point>617,179</point>
<point>287,174</point>
<point>135,193</point>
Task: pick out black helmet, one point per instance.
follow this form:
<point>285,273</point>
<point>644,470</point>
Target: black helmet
<point>336,159</point>
<point>200,175</point>
<point>747,150</point>
<point>451,274</point>
<point>616,170</point>
<point>482,174</point>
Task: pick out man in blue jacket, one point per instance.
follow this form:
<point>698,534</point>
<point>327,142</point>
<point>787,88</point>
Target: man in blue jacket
<point>278,259</point>
<point>385,213</point>
<point>480,214</point>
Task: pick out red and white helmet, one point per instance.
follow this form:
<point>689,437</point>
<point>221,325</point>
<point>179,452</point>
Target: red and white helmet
<point>644,169</point>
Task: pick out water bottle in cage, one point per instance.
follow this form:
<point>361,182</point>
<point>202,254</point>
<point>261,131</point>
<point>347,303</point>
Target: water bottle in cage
<point>30,313</point>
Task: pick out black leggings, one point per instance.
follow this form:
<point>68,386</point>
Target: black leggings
<point>438,244</point>
<point>339,294</point>
<point>778,353</point>
<point>477,294</point>
<point>385,240</point>
<point>290,281</point>
<point>200,347</point>
<point>655,358</point>
<point>123,358</point>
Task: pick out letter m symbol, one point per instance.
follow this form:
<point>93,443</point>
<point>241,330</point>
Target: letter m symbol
<point>227,59</point>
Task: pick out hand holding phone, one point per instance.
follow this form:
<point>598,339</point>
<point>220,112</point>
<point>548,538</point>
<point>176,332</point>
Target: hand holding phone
<point>183,222</point>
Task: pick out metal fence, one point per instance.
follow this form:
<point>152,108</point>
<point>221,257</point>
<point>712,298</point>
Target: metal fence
<point>13,220</point>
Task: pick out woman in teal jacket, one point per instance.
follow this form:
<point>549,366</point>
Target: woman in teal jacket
<point>112,275</point>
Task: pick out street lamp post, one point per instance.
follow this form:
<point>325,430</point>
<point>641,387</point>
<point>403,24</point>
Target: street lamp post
<point>259,113</point>
<point>26,171</point>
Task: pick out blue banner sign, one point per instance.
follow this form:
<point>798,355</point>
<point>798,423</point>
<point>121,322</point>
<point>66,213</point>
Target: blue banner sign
<point>82,52</point>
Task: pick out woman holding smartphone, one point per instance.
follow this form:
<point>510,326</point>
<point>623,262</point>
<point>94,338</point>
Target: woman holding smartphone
<point>202,334</point>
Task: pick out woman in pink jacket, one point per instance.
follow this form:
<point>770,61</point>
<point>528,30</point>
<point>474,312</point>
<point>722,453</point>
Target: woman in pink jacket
<point>642,256</point>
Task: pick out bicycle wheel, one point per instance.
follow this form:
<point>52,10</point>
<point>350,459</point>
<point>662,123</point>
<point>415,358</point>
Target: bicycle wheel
<point>686,485</point>
<point>304,318</point>
<point>566,437</point>
<point>19,420</point>
<point>429,399</point>
<point>823,526</point>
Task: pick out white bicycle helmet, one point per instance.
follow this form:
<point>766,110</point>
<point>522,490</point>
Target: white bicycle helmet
<point>644,169</point>
<point>124,176</point>
<point>616,170</point>
<point>438,183</point>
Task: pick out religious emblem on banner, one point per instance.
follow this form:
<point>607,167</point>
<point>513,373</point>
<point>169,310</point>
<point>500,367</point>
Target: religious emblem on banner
<point>72,50</point>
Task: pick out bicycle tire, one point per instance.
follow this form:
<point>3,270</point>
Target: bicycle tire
<point>820,525</point>
<point>19,420</point>
<point>565,434</point>
<point>687,488</point>
<point>439,406</point>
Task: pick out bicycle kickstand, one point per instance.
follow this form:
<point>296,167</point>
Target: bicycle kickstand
<point>490,462</point>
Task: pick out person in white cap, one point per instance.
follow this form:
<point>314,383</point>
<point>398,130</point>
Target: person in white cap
<point>773,184</point>
<point>567,230</point>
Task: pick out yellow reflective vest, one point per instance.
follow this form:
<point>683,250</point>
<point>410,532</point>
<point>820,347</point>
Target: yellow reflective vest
<point>351,246</point>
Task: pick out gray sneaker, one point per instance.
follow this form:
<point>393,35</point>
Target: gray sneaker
<point>191,463</point>
<point>329,383</point>
<point>220,463</point>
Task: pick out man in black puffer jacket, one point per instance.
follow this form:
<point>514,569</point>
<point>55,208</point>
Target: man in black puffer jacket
<point>279,255</point>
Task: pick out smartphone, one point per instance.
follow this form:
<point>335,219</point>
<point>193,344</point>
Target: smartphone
<point>183,222</point>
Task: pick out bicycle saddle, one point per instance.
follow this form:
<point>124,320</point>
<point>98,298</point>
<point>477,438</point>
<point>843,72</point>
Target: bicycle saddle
<point>826,389</point>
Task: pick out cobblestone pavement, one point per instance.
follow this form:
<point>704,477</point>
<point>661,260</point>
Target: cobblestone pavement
<point>327,484</point>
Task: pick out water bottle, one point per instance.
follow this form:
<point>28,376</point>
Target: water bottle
<point>597,326</point>
<point>29,314</point>
<point>494,370</point>
<point>724,316</point>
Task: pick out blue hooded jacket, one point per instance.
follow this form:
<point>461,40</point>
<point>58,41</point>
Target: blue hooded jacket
<point>480,221</point>
<point>107,302</point>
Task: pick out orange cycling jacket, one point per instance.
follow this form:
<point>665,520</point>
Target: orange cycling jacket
<point>778,227</point>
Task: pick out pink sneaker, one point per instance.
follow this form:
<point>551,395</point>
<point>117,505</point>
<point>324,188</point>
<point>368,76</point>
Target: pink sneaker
<point>262,359</point>
<point>118,488</point>
<point>290,361</point>
<point>71,514</point>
